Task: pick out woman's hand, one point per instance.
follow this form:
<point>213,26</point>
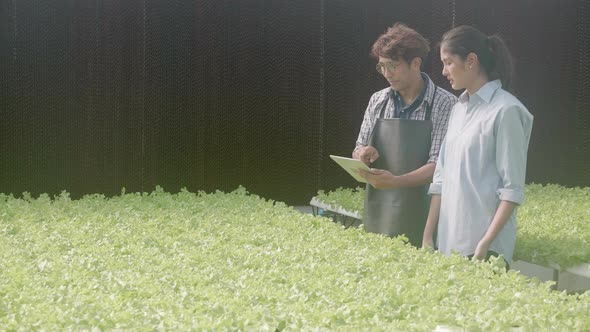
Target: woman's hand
<point>481,251</point>
<point>427,241</point>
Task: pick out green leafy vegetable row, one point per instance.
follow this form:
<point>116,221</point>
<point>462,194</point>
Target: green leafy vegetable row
<point>350,199</point>
<point>553,222</point>
<point>196,261</point>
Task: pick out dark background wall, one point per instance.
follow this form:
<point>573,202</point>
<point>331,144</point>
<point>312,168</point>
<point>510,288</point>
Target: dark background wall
<point>104,94</point>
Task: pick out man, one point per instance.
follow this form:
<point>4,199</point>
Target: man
<point>401,135</point>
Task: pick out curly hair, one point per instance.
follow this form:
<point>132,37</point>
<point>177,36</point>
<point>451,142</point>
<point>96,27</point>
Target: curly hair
<point>401,42</point>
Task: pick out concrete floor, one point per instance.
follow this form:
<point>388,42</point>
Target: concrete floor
<point>303,208</point>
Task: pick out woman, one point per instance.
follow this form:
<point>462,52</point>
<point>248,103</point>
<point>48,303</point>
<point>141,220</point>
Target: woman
<point>480,174</point>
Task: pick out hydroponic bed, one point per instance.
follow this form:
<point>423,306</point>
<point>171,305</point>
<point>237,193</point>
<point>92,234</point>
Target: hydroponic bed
<point>235,261</point>
<point>553,224</point>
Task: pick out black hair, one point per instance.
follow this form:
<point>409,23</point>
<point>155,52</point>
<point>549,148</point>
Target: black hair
<point>492,52</point>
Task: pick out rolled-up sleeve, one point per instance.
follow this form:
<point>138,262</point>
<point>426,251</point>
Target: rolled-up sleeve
<point>435,188</point>
<point>513,131</point>
<point>368,122</point>
<point>437,179</point>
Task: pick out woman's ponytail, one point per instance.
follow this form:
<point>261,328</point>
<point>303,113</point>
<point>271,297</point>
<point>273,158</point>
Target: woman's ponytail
<point>502,66</point>
<point>492,52</point>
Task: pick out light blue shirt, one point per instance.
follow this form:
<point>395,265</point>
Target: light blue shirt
<point>482,162</point>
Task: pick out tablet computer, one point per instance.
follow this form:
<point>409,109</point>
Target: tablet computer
<point>351,165</point>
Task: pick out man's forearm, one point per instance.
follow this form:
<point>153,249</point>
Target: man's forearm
<point>418,177</point>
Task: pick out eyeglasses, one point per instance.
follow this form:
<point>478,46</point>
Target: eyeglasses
<point>382,66</point>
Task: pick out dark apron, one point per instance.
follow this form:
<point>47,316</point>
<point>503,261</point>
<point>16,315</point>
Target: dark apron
<point>403,146</point>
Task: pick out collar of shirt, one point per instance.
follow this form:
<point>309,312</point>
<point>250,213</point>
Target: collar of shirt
<point>485,93</point>
<point>425,93</point>
<point>418,99</point>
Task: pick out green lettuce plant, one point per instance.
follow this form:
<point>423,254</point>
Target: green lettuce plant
<point>350,199</point>
<point>553,222</point>
<point>235,261</point>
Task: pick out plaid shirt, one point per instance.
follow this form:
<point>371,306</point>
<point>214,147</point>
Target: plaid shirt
<point>441,110</point>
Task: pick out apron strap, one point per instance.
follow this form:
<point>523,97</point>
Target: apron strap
<point>429,107</point>
<point>382,112</point>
